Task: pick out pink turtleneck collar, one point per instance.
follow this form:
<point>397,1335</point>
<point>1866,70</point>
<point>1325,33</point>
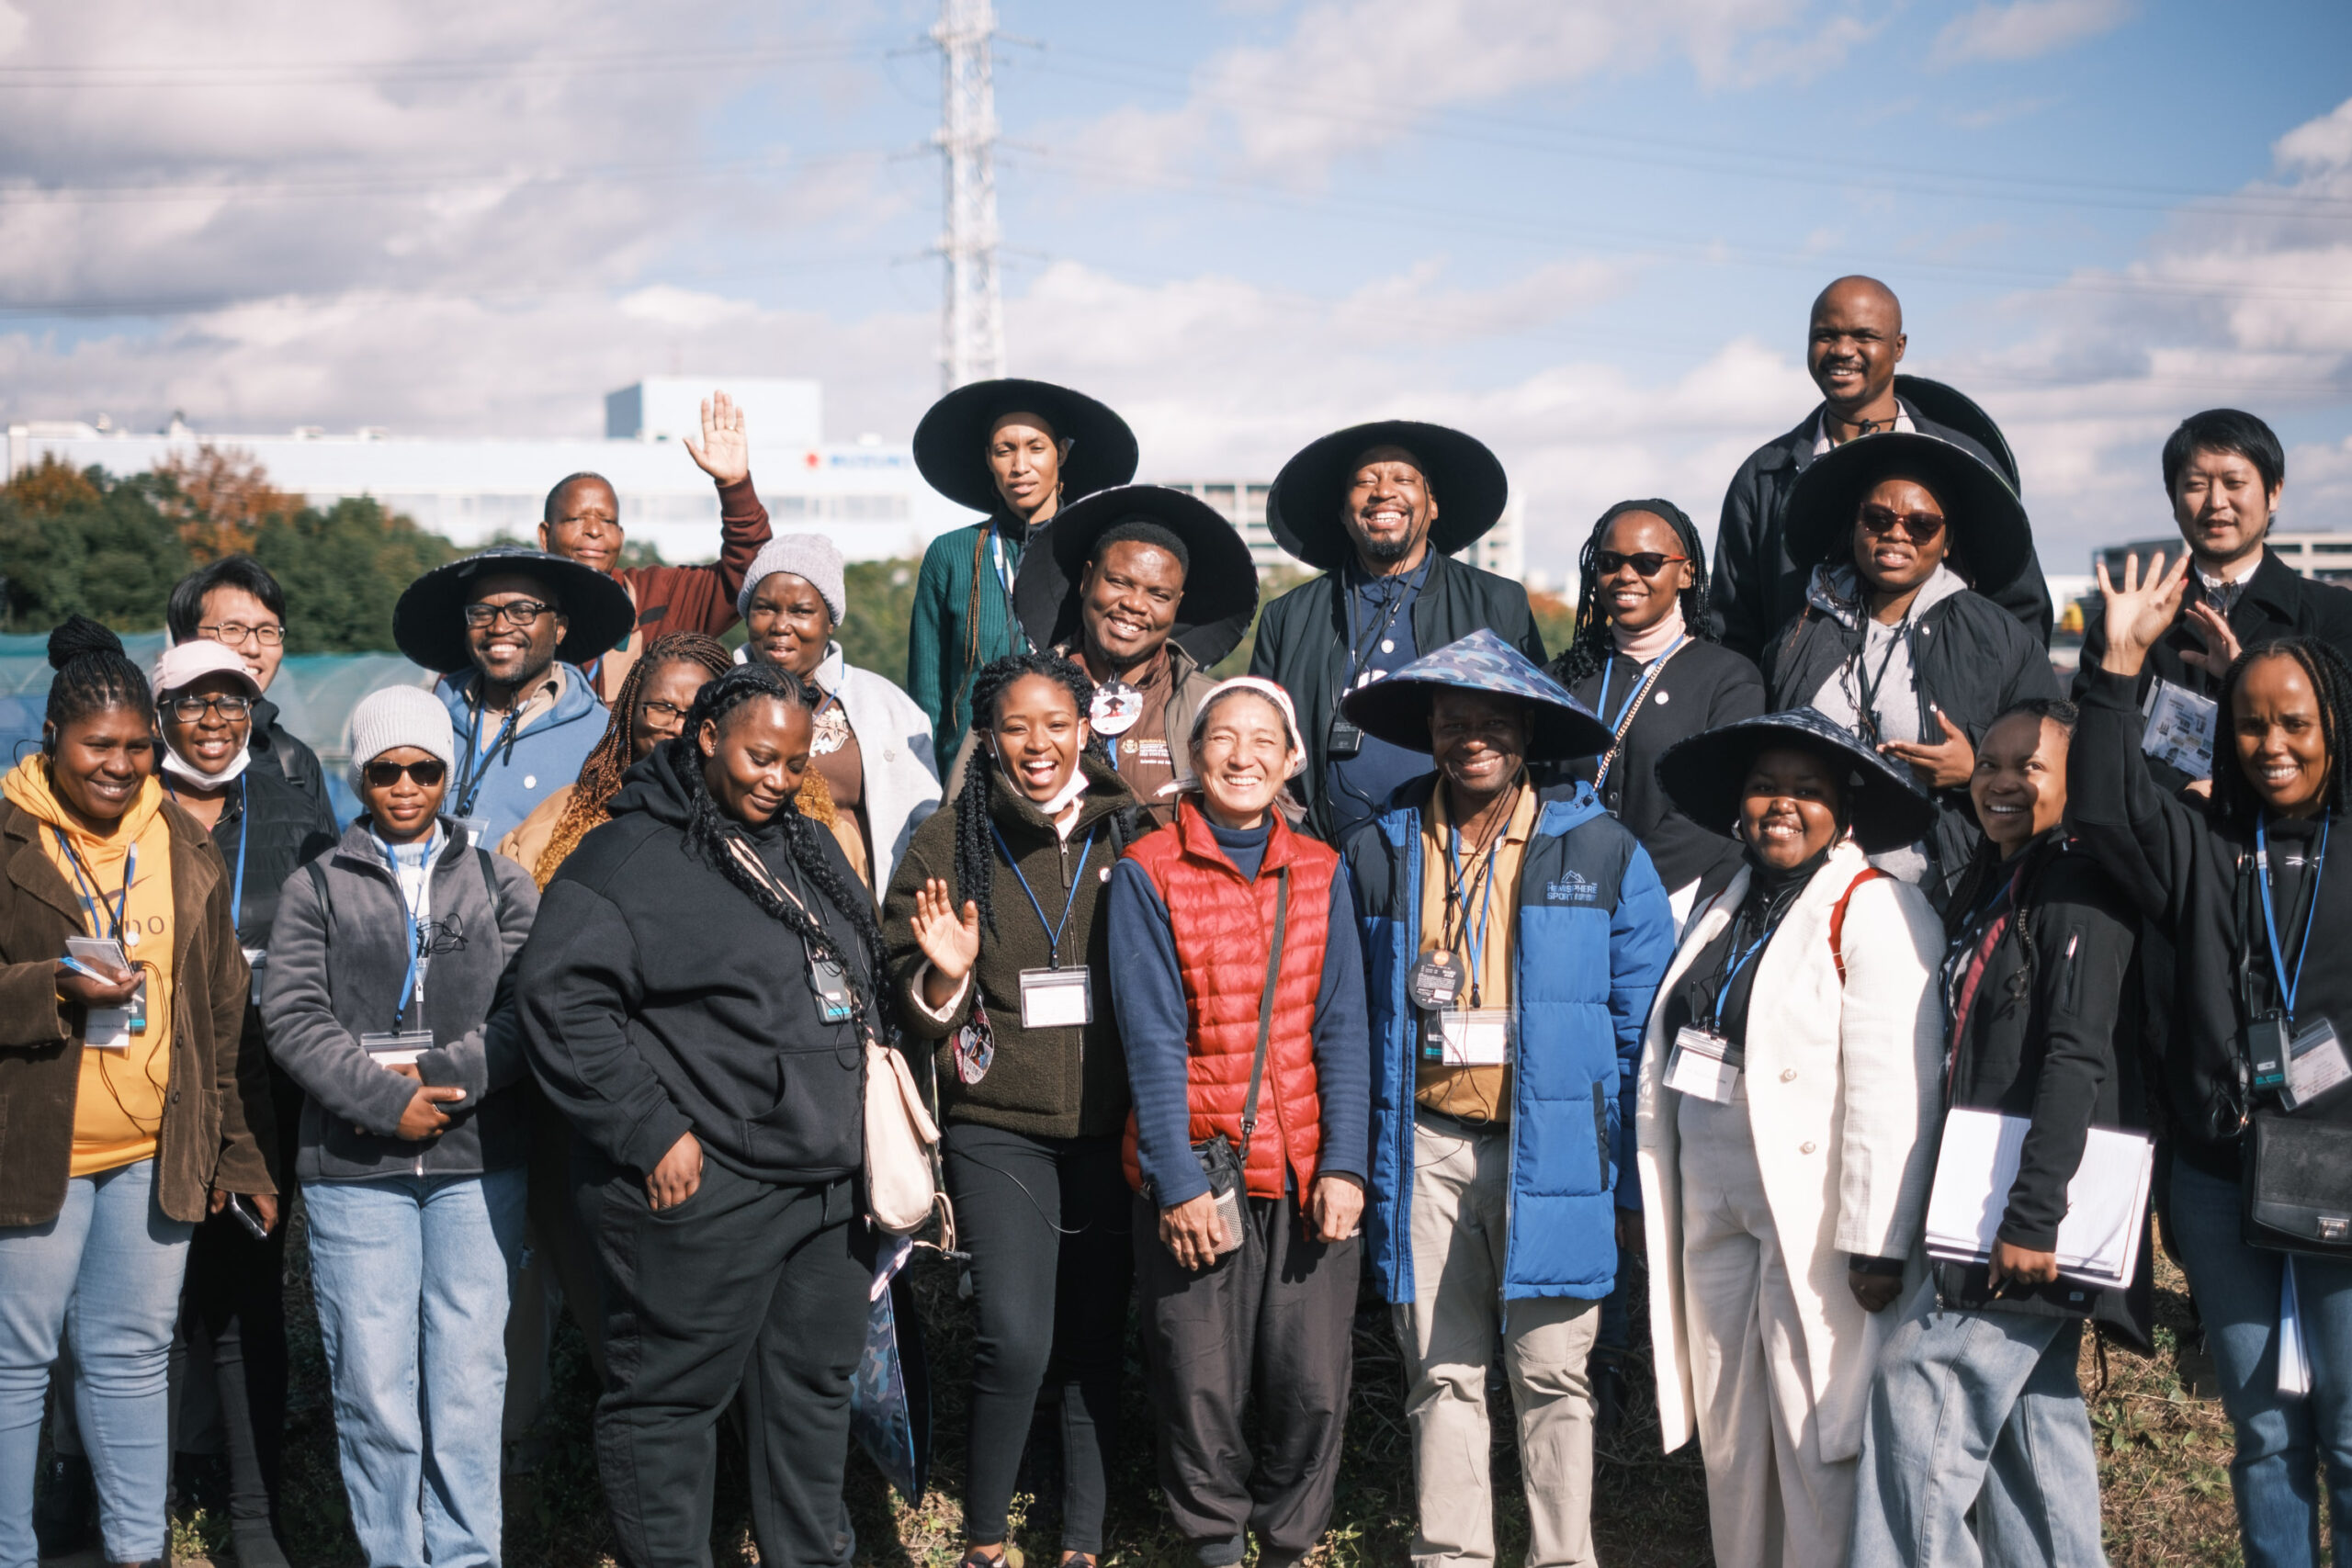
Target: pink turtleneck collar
<point>1644,646</point>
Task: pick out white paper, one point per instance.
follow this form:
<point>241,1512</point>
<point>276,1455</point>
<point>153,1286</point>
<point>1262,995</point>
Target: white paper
<point>1057,998</point>
<point>2315,1064</point>
<point>1696,1067</point>
<point>401,1050</point>
<point>2098,1241</point>
<point>1480,1037</point>
<point>107,1029</point>
<point>2180,728</point>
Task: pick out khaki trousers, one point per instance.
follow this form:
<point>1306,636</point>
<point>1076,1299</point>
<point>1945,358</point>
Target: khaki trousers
<point>1448,1334</point>
<point>1770,1499</point>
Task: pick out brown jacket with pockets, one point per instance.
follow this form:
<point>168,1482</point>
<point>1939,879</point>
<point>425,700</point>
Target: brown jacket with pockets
<point>216,1115</point>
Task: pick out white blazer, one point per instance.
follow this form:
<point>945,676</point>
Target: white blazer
<point>1845,1094</point>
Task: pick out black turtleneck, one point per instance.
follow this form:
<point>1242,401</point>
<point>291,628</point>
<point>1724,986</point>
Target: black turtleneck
<point>1771,891</point>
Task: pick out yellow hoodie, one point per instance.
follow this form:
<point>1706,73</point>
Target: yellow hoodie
<point>118,1104</point>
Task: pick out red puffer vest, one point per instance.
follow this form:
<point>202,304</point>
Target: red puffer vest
<point>1222,925</point>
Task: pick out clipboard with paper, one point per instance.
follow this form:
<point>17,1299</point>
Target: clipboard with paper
<point>2107,1202</point>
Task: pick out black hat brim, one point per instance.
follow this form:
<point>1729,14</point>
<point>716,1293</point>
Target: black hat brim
<point>1304,507</point>
<point>1955,410</point>
<point>951,442</point>
<point>429,624</point>
<point>1703,774</point>
<point>1989,531</point>
<point>1220,581</point>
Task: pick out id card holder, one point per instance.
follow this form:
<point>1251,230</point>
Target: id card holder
<point>255,957</point>
<point>1345,739</point>
<point>1057,998</point>
<point>831,984</point>
<point>470,828</point>
<point>1703,1065</point>
<point>402,1049</point>
<point>2317,1067</point>
<point>1476,1037</point>
<point>2265,1052</point>
<point>107,1029</point>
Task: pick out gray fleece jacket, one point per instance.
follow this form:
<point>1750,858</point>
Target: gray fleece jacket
<point>335,970</point>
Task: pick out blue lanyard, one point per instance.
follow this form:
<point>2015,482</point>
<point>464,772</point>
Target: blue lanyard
<point>410,989</point>
<point>1609,668</point>
<point>1052,933</point>
<point>92,899</point>
<point>1732,974</point>
<point>469,782</point>
<point>1474,932</point>
<point>1405,594</point>
<point>2288,985</point>
<point>244,836</point>
<point>1004,575</point>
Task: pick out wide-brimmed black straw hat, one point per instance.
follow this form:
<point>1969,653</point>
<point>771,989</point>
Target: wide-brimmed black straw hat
<point>1990,535</point>
<point>1395,708</point>
<point>1703,774</point>
<point>1220,583</point>
<point>1304,508</point>
<point>1955,410</point>
<point>429,622</point>
<point>951,442</point>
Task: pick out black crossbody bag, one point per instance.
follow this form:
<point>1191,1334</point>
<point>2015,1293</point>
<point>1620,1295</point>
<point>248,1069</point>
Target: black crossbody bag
<point>2295,1180</point>
<point>1225,1166</point>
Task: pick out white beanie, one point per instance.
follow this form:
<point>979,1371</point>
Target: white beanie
<point>811,556</point>
<point>397,717</point>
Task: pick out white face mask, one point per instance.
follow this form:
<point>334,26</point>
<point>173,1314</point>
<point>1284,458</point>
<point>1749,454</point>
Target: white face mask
<point>180,767</point>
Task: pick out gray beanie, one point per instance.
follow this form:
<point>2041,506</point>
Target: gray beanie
<point>811,556</point>
<point>397,717</point>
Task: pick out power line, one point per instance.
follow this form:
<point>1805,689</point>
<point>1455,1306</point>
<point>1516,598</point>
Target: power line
<point>272,73</point>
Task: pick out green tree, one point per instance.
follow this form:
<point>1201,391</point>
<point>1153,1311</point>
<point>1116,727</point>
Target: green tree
<point>87,544</point>
<point>343,569</point>
<point>881,608</point>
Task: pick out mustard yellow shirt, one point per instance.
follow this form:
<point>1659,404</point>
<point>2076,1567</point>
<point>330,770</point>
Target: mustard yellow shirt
<point>1474,1094</point>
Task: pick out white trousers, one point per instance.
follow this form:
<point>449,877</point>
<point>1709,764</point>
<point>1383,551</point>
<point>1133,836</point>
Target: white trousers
<point>1770,1500</point>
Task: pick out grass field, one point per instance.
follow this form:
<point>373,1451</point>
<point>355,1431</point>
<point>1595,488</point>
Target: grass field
<point>2163,1448</point>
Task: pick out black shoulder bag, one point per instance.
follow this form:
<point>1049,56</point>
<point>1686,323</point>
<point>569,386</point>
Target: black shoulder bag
<point>2295,1181</point>
<point>1226,1167</point>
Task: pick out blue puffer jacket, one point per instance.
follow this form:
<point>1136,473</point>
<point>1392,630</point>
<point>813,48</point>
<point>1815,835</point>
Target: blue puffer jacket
<point>544,757</point>
<point>1593,938</point>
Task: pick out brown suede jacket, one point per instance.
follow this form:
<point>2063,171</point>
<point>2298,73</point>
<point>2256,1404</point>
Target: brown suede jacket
<point>217,1116</point>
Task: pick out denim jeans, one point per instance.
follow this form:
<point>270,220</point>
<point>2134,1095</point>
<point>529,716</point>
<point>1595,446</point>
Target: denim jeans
<point>109,1264</point>
<point>1981,1411</point>
<point>2282,1443</point>
<point>413,1276</point>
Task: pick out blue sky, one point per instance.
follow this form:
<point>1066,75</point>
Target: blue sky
<point>1586,232</point>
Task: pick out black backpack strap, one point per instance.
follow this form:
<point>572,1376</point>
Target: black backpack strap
<point>489,884</point>
<point>1266,1010</point>
<point>326,900</point>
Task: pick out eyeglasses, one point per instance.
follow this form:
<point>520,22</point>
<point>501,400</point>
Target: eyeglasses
<point>1921,526</point>
<point>236,632</point>
<point>429,773</point>
<point>190,708</point>
<point>517,612</point>
<point>666,713</point>
<point>1648,563</point>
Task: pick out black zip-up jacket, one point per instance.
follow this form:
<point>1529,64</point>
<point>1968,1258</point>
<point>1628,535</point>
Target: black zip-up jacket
<point>276,825</point>
<point>1303,647</point>
<point>1756,587</point>
<point>2182,867</point>
<point>1703,686</point>
<point>1968,658</point>
<point>2058,1047</point>
<point>658,1000</point>
<point>279,752</point>
<point>2276,602</point>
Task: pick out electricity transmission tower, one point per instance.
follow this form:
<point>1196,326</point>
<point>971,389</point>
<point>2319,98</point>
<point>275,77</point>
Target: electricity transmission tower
<point>972,320</point>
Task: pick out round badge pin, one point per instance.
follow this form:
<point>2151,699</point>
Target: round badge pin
<point>1116,707</point>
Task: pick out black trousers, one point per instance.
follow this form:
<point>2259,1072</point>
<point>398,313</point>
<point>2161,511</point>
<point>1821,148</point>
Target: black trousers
<point>1273,1319</point>
<point>745,1285</point>
<point>1045,1221</point>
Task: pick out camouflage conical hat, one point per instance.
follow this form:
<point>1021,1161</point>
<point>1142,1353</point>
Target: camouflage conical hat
<point>1395,708</point>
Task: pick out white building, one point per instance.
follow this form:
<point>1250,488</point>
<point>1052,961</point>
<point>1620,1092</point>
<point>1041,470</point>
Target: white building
<point>1242,502</point>
<point>2322,557</point>
<point>865,494</point>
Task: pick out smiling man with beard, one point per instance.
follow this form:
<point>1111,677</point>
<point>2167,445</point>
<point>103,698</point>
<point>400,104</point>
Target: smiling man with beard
<point>1379,508</point>
<point>1854,342</point>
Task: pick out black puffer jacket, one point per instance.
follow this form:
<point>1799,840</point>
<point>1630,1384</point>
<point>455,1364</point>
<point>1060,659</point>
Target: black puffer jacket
<point>2056,1042</point>
<point>277,751</point>
<point>272,824</point>
<point>1968,657</point>
<point>658,1000</point>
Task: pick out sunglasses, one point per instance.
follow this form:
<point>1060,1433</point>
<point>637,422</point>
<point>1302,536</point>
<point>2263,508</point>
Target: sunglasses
<point>1921,526</point>
<point>429,773</point>
<point>1647,563</point>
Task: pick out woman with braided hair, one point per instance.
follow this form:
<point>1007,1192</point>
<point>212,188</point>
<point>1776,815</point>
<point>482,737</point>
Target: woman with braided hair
<point>999,952</point>
<point>1644,658</point>
<point>649,708</point>
<point>697,998</point>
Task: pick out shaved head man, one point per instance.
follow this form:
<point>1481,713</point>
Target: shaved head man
<point>1854,342</point>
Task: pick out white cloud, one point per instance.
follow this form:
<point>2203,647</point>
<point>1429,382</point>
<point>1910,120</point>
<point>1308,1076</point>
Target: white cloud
<point>2025,29</point>
<point>2322,143</point>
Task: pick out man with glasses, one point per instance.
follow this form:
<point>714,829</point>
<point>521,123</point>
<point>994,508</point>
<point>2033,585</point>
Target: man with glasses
<point>582,523</point>
<point>509,630</point>
<point>1854,341</point>
<point>236,603</point>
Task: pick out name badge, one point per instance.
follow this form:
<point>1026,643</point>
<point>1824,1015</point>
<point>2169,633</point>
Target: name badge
<point>471,829</point>
<point>1703,1065</point>
<point>255,957</point>
<point>107,1029</point>
<point>402,1049</point>
<point>1478,1037</point>
<point>1436,980</point>
<point>2180,728</point>
<point>830,981</point>
<point>1057,998</point>
<point>2315,1066</point>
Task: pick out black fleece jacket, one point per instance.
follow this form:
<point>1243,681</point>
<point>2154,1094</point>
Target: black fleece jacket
<point>658,1000</point>
<point>2181,866</point>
